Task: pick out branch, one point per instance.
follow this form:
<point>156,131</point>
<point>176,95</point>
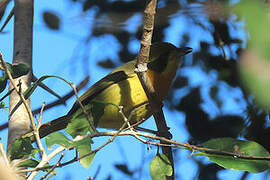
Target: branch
<point>55,103</point>
<point>81,85</point>
<point>8,19</point>
<point>52,169</point>
<point>87,115</point>
<point>36,133</point>
<point>46,88</point>
<point>44,162</point>
<point>168,143</point>
<point>141,68</point>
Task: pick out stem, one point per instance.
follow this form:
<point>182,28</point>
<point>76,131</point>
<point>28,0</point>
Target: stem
<point>141,68</point>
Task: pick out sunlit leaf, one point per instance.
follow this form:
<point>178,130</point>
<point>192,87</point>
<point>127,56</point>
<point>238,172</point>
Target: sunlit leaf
<point>84,147</point>
<point>79,124</point>
<point>238,147</point>
<point>160,167</point>
<point>57,138</point>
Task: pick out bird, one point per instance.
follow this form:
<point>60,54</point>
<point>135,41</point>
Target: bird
<point>122,88</point>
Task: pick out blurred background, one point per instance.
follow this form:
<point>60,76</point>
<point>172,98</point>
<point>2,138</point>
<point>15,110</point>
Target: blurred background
<point>218,91</point>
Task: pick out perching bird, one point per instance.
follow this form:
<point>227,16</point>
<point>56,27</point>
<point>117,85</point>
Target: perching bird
<point>122,88</point>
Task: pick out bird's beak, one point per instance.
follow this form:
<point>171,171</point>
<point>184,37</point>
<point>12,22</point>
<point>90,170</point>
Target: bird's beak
<point>184,50</point>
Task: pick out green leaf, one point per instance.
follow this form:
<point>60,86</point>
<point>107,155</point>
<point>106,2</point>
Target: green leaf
<point>57,138</point>
<point>34,152</point>
<point>82,142</point>
<point>29,163</point>
<point>160,167</point>
<point>32,163</point>
<point>18,70</point>
<point>20,148</point>
<point>2,105</point>
<point>238,147</point>
<point>84,147</point>
<point>3,83</point>
<point>79,125</point>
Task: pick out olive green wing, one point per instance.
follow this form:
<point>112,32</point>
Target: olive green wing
<point>119,74</point>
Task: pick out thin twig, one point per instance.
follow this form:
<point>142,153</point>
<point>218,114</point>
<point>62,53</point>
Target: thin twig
<point>36,133</point>
<point>221,44</point>
<point>46,88</point>
<point>81,85</point>
<point>44,162</point>
<point>55,103</point>
<point>40,116</point>
<point>84,110</point>
<point>131,128</point>
<point>52,169</point>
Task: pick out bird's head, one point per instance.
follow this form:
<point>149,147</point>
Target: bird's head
<point>163,53</point>
<point>164,61</point>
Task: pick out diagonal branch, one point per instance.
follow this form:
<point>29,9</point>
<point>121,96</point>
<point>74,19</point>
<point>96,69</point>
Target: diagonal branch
<point>81,85</point>
<point>8,19</point>
<point>46,88</point>
<point>141,68</point>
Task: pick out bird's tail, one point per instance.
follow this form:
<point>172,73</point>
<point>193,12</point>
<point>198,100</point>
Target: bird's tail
<point>54,125</point>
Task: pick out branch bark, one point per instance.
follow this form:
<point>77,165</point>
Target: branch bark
<point>141,68</point>
<point>19,122</point>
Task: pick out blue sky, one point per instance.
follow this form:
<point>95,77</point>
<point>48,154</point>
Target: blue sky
<point>52,56</point>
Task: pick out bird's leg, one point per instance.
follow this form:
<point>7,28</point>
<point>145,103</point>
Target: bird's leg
<point>157,133</point>
<point>146,130</point>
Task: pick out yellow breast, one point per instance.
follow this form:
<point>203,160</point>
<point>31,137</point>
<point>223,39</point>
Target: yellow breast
<point>162,81</point>
<point>129,94</point>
